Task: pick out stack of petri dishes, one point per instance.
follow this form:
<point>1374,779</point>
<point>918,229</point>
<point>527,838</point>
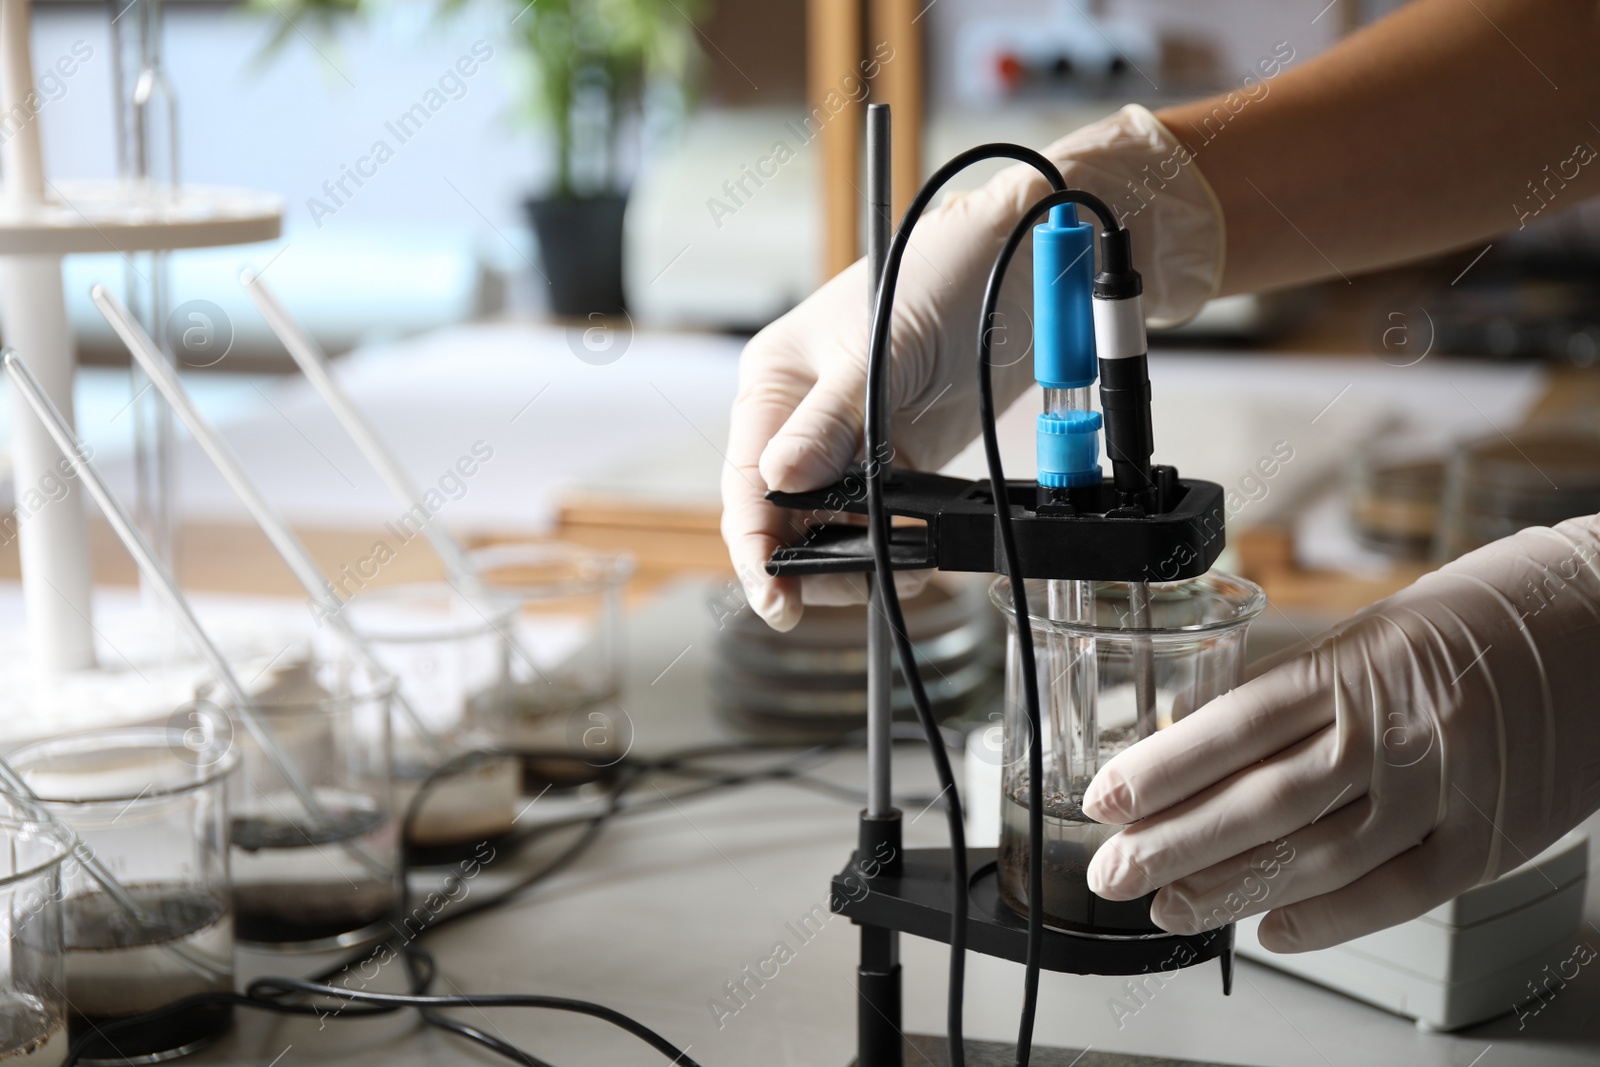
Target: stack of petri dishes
<point>1498,484</point>
<point>810,683</point>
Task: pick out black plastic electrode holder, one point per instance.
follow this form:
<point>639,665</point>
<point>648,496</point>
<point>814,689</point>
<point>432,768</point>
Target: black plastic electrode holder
<point>916,901</point>
<point>1171,531</point>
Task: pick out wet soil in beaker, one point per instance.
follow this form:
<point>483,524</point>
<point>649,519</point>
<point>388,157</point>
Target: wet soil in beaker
<point>295,884</point>
<point>29,1037</point>
<point>460,813</point>
<point>576,748</point>
<point>1071,839</point>
<point>119,966</point>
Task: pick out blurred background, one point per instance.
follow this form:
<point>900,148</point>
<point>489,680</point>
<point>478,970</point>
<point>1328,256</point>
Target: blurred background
<point>535,235</point>
<point>578,211</point>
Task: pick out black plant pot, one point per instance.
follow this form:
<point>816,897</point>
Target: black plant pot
<point>580,249</point>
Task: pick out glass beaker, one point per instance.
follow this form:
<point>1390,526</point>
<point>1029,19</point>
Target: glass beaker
<point>1089,675</point>
<point>1501,483</point>
<point>151,803</point>
<point>308,881</point>
<point>451,655</point>
<point>565,663</point>
<point>33,1015</point>
<point>1395,487</point>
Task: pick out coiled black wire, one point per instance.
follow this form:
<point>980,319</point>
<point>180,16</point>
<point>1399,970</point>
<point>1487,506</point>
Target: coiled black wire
<point>878,455</point>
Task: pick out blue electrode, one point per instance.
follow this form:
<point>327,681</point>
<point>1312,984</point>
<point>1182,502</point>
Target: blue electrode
<point>1064,362</point>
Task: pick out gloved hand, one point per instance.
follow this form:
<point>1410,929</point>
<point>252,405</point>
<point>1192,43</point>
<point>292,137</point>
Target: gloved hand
<point>1436,740</point>
<point>797,421</point>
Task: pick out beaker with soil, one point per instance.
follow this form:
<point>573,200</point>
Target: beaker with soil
<point>309,880</point>
<point>33,1014</point>
<point>152,805</point>
<point>1104,683</point>
<point>446,650</point>
<point>564,667</point>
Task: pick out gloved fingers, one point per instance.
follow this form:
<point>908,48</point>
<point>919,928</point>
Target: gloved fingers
<point>1261,803</point>
<point>1407,886</point>
<point>1256,668</point>
<point>1329,854</point>
<point>823,435</point>
<point>752,527</point>
<point>1236,888</point>
<point>835,590</point>
<point>753,530</point>
<point>1237,730</point>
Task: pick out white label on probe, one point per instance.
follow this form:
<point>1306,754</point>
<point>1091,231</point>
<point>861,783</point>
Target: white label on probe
<point>1119,328</point>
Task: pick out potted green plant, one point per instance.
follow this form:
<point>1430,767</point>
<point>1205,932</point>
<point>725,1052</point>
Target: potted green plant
<point>595,66</point>
<point>595,69</point>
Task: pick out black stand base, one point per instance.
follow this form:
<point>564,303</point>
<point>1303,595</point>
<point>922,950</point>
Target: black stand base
<point>916,900</point>
<point>912,896</point>
<point>923,1049</point>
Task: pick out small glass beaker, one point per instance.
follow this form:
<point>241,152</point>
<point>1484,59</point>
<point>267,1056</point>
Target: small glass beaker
<point>1395,487</point>
<point>1103,685</point>
<point>308,880</point>
<point>566,659</point>
<point>450,654</point>
<point>1498,484</point>
<point>33,1012</point>
<point>151,805</point>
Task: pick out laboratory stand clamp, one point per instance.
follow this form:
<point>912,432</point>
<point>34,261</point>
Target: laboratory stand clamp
<point>1083,665</point>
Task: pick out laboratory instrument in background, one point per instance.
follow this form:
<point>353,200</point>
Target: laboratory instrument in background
<point>1095,546</point>
<point>1510,945</point>
<point>1067,52</point>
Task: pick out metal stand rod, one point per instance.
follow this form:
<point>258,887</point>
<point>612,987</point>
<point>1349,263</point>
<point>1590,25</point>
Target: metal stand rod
<point>879,1042</point>
<point>880,648</point>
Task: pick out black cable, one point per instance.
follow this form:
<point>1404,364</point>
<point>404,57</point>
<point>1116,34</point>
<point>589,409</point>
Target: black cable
<point>264,986</point>
<point>878,454</point>
<point>416,957</point>
<point>1019,597</point>
<point>488,1041</point>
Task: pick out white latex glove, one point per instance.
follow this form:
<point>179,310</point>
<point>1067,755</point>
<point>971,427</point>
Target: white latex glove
<point>797,421</point>
<point>1436,740</point>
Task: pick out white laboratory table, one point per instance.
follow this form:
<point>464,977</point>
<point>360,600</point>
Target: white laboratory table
<point>671,905</point>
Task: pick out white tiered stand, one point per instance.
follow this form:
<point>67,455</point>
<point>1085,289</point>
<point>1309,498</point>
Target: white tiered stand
<point>40,222</point>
